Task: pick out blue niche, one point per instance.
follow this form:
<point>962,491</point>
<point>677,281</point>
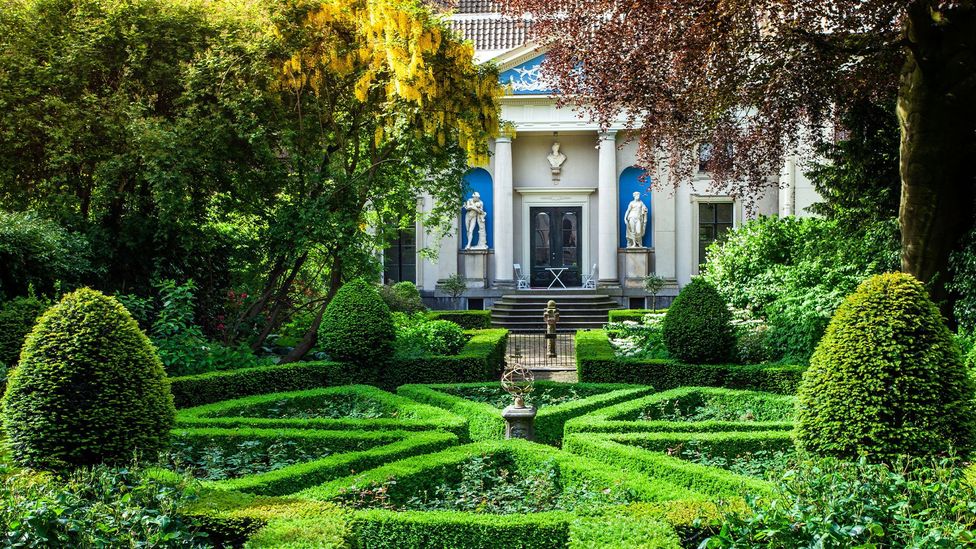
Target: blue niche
<point>478,180</point>
<point>525,78</point>
<point>630,183</point>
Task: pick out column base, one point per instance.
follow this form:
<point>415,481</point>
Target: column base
<point>612,283</point>
<point>504,284</point>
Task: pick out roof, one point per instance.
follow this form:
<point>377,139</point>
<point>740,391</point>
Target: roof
<point>491,33</point>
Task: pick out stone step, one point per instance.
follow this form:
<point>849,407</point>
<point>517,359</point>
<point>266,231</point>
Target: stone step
<point>578,310</point>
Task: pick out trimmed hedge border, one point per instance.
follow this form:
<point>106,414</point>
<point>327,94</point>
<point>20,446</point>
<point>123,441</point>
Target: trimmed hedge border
<point>596,362</point>
<point>224,385</point>
<point>606,420</point>
<point>620,451</point>
<point>424,417</point>
<point>363,450</point>
<point>485,421</point>
<point>481,359</point>
<point>632,315</point>
<point>469,320</point>
<point>424,472</point>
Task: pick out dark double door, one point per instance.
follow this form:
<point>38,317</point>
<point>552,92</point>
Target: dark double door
<point>556,242</point>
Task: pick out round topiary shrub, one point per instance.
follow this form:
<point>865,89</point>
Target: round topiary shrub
<point>442,337</point>
<point>357,326</point>
<point>17,318</point>
<point>89,389</point>
<point>698,326</point>
<point>887,378</point>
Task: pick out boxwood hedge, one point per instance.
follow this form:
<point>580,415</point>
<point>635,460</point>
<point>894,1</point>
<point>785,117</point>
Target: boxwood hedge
<point>481,359</point>
<point>620,418</point>
<point>469,320</point>
<point>596,362</point>
<point>245,412</point>
<point>485,421</point>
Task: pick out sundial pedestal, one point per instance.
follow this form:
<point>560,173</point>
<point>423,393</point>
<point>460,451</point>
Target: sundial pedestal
<point>519,422</point>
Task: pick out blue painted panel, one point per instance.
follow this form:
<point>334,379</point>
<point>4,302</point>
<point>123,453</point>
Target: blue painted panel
<point>630,182</point>
<point>479,180</point>
<point>524,79</point>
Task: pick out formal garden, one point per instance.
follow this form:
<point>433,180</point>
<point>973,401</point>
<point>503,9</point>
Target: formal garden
<point>196,349</point>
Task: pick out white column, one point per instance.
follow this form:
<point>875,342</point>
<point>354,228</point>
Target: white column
<point>787,184</point>
<point>504,238</point>
<point>607,196</point>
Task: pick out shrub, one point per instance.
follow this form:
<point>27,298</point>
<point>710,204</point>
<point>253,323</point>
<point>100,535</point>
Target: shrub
<point>357,326</point>
<point>89,388</point>
<point>469,320</point>
<point>36,251</point>
<point>831,503</point>
<point>402,297</point>
<point>887,378</point>
<point>698,326</point>
<point>442,337</point>
<point>17,317</point>
<point>962,263</point>
<point>101,507</point>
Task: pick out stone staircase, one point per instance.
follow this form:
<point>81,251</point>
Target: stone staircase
<point>578,310</point>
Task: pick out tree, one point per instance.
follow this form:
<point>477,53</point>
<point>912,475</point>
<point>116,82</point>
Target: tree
<point>754,78</point>
<point>354,108</point>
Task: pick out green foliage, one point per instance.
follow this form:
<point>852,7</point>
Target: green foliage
<point>418,336</point>
<point>351,407</point>
<point>89,388</point>
<point>481,359</point>
<point>304,457</point>
<point>596,362</point>
<point>642,340</point>
<point>698,326</point>
<point>454,285</point>
<point>182,346</point>
<point>794,273</point>
<point>831,503</point>
<point>887,378</point>
<point>38,252</point>
<point>249,457</point>
<point>469,320</point>
<point>484,418</point>
<point>402,297</point>
<point>630,315</point>
<point>98,507</point>
<point>17,318</point>
<point>962,263</point>
<point>357,327</point>
<point>653,285</point>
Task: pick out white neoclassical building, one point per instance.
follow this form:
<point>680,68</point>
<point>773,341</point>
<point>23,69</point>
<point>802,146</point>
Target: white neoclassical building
<point>561,211</point>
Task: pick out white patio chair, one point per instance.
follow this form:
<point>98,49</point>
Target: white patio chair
<point>521,279</point>
<point>589,280</point>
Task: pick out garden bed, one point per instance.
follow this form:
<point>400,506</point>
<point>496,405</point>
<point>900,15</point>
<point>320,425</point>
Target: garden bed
<point>352,407</point>
<point>482,404</point>
<point>692,409</point>
<point>596,362</point>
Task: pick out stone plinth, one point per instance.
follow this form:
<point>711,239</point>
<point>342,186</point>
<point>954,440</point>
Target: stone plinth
<point>474,265</point>
<point>637,265</point>
<point>519,422</point>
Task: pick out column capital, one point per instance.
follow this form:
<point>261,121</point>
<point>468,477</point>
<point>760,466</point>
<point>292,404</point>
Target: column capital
<point>609,135</point>
<point>503,139</point>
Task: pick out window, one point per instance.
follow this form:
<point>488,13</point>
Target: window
<point>400,259</point>
<point>705,153</point>
<point>714,222</point>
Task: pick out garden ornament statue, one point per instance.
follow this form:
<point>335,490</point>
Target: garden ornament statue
<point>551,316</point>
<point>556,159</point>
<point>636,221</point>
<point>475,216</point>
<point>519,418</point>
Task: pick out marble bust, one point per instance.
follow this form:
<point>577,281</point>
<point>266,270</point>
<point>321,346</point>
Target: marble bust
<point>635,219</point>
<point>475,216</point>
<point>556,159</point>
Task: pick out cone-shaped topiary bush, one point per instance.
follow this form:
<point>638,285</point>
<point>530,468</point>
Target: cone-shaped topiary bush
<point>698,326</point>
<point>887,378</point>
<point>357,326</point>
<point>89,389</point>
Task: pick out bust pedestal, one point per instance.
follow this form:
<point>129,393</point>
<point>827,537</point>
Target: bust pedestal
<point>637,265</point>
<point>474,265</point>
<point>519,422</point>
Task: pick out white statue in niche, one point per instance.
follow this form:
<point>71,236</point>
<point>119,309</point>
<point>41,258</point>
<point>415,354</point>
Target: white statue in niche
<point>556,159</point>
<point>475,216</point>
<point>635,218</point>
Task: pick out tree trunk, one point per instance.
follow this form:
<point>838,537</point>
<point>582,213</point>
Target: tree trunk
<point>280,300</point>
<point>937,113</point>
<point>312,335</point>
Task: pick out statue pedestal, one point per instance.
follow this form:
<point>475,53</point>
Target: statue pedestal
<point>519,422</point>
<point>637,265</point>
<point>474,265</point>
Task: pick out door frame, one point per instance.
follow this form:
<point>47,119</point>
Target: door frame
<point>549,197</point>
